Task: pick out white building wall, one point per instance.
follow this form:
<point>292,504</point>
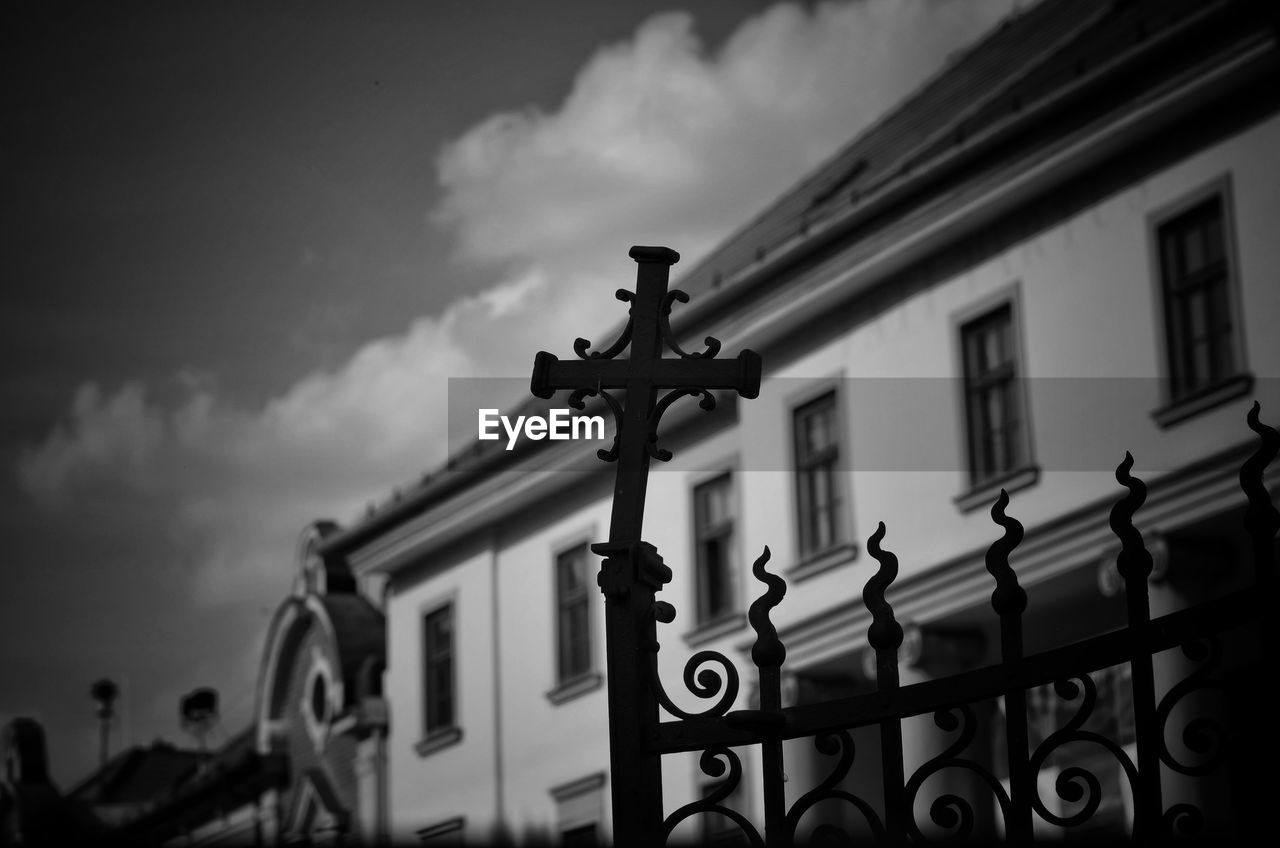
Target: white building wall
<point>1088,308</point>
<point>546,745</point>
<point>458,780</point>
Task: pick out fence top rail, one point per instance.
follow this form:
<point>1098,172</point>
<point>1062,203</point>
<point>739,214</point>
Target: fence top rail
<point>1116,647</point>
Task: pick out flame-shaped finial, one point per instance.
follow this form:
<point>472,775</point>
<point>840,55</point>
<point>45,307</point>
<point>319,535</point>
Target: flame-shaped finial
<point>884,633</point>
<point>768,649</point>
<point>1008,598</point>
<point>1134,559</point>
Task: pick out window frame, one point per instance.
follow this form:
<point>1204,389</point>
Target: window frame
<point>1176,403</point>
<point>582,595</point>
<point>703,617</point>
<point>981,489</point>
<point>807,548</point>
<point>844,549</point>
<point>438,734</point>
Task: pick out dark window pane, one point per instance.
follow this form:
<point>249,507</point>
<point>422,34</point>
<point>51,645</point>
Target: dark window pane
<point>993,410</point>
<point>437,630</point>
<point>817,454</point>
<point>574,626</point>
<point>713,537</point>
<point>1195,276</point>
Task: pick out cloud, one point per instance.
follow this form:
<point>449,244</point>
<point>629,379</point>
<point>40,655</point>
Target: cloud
<point>117,435</point>
<point>659,141</point>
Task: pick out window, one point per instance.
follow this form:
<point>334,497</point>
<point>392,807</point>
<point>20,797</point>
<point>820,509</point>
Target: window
<point>997,433</point>
<point>573,601</point>
<point>817,445</point>
<point>437,651</point>
<point>1195,278</point>
<point>713,512</point>
<point>579,810</point>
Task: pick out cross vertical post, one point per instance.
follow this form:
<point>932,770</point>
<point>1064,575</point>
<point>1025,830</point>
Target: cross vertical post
<point>632,572</point>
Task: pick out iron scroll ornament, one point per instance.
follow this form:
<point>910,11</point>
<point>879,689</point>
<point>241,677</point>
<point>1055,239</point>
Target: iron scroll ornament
<point>1076,784</point>
<point>741,375</point>
<point>712,763</point>
<point>953,812</point>
<point>1068,671</point>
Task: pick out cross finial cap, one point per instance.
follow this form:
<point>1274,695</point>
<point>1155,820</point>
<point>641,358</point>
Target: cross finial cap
<point>665,255</point>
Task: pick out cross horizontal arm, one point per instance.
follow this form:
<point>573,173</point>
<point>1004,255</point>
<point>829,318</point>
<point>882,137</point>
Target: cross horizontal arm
<point>741,375</point>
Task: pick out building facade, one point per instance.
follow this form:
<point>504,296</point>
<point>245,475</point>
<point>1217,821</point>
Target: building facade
<point>1059,249</point>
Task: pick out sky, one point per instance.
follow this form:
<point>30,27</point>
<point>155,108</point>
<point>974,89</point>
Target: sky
<point>246,245</point>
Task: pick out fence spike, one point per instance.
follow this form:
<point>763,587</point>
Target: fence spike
<point>1134,559</point>
<point>1009,598</point>
<point>885,637</point>
<point>768,649</point>
<point>1134,564</point>
<point>884,633</point>
<point>1262,521</point>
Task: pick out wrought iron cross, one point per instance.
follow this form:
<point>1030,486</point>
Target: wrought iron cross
<point>642,375</point>
<point>632,570</point>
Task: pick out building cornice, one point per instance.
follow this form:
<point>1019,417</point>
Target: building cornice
<point>1051,549</point>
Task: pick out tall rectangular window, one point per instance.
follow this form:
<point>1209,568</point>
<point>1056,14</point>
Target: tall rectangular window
<point>713,514</point>
<point>1196,281</point>
<point>438,682</point>
<point>993,409</point>
<point>817,450</point>
<point>573,601</point>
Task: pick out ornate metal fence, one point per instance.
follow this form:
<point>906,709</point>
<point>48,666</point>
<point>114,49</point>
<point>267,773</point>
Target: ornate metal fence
<point>633,572</point>
<point>1018,800</point>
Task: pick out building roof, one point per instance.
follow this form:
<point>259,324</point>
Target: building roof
<point>918,124</point>
<point>138,775</point>
<point>1032,85</point>
<point>1065,61</point>
<point>235,774</point>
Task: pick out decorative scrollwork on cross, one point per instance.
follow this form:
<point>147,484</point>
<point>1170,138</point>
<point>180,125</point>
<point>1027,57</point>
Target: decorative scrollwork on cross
<point>664,327</point>
<point>578,402</point>
<point>582,347</point>
<point>707,403</point>
<point>645,371</point>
